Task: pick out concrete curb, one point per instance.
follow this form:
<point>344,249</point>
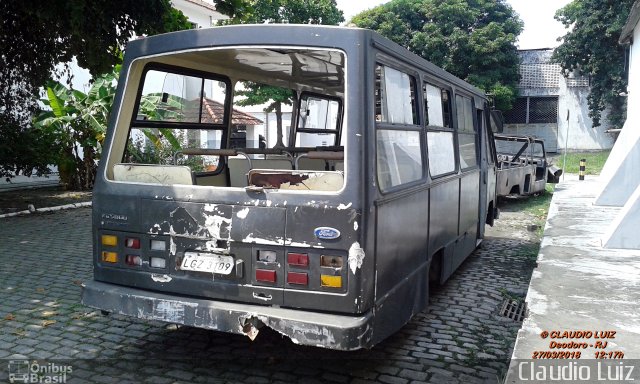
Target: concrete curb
<point>33,209</point>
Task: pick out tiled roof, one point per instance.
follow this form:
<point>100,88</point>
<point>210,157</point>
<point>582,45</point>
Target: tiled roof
<point>212,113</point>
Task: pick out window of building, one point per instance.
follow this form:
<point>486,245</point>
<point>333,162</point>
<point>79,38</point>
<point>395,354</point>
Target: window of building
<point>533,110</point>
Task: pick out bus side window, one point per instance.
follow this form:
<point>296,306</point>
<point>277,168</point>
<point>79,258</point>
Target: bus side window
<point>399,155</point>
<point>395,97</point>
<point>440,143</point>
<point>467,133</point>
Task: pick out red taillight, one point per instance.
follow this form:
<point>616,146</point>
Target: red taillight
<point>298,259</point>
<point>266,275</point>
<point>133,260</point>
<point>132,242</point>
<point>299,278</point>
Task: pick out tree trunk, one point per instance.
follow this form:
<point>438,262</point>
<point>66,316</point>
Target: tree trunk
<point>279,142</point>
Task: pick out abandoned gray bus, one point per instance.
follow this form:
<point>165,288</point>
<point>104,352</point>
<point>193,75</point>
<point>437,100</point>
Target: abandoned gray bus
<point>329,228</point>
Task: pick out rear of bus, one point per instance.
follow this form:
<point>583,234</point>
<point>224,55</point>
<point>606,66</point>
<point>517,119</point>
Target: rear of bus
<point>204,216</point>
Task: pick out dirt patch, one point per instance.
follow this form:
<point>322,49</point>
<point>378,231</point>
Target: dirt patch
<point>516,224</point>
<point>19,200</point>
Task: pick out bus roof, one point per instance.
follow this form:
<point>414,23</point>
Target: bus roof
<point>349,39</point>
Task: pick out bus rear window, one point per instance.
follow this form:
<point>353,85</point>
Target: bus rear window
<point>235,113</point>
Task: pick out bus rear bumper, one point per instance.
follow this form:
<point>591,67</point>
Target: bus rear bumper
<point>301,326</point>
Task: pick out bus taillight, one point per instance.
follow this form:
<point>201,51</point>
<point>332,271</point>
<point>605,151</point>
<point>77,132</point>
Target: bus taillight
<point>133,260</point>
<point>109,240</point>
<point>298,259</point>
<point>109,257</point>
<point>158,245</point>
<point>331,281</point>
<point>132,242</point>
<point>157,262</point>
<point>298,278</point>
<point>266,275</point>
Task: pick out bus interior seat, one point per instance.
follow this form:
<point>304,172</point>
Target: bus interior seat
<point>151,173</point>
<point>306,163</point>
<point>239,168</point>
<point>297,180</point>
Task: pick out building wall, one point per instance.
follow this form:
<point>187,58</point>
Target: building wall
<point>268,129</point>
<point>198,12</point>
<point>578,133</point>
<point>573,129</point>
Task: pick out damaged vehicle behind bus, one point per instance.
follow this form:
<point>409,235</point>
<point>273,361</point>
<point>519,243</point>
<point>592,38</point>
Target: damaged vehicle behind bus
<point>380,183</point>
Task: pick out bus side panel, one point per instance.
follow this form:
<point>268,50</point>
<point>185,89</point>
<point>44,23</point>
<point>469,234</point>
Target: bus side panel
<point>469,206</point>
<point>401,261</point>
<point>443,220</point>
<point>469,201</point>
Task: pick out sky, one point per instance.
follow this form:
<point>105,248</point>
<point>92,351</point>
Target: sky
<point>540,28</point>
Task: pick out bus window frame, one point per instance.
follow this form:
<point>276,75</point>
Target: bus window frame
<point>436,128</point>
<point>476,130</point>
<point>339,121</point>
<point>382,61</point>
<point>177,70</point>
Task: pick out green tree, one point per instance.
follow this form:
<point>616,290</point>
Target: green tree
<point>36,36</point>
<point>282,11</point>
<point>77,123</point>
<point>591,48</point>
<point>472,39</point>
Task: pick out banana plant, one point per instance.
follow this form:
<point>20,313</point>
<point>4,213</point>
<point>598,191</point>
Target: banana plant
<point>78,122</point>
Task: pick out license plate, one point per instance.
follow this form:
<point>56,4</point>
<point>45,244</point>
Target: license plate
<point>207,262</point>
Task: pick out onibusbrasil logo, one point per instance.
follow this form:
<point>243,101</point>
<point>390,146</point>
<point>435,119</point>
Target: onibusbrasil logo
<point>34,371</point>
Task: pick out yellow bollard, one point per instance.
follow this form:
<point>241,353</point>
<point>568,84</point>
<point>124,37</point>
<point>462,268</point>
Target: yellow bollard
<point>583,166</point>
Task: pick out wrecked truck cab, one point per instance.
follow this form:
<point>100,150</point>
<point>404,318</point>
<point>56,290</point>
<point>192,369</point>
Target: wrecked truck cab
<point>315,223</point>
<point>523,168</point>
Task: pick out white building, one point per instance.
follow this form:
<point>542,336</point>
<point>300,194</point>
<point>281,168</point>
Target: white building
<point>620,176</point>
<point>201,13</point>
<point>553,107</point>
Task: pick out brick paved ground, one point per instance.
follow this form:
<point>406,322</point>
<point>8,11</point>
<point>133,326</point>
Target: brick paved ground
<point>44,258</point>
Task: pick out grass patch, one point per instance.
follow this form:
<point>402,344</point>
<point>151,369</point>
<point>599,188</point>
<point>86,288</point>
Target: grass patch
<point>530,253</point>
<point>537,205</point>
<point>595,161</point>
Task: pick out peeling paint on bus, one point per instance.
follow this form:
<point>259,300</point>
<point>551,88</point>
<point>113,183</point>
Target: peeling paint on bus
<point>160,278</point>
<point>356,256</point>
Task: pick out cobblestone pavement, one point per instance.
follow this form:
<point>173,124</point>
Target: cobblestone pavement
<point>44,259</point>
